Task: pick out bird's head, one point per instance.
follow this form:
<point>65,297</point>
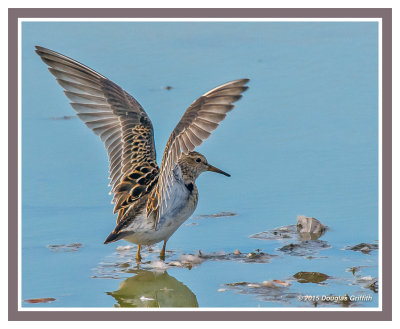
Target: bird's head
<point>194,163</point>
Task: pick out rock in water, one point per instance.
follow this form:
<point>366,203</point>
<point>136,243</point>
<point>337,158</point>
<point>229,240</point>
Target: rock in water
<point>310,228</point>
<point>364,247</point>
<point>310,277</point>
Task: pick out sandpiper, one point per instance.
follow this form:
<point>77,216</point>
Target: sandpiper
<point>151,201</point>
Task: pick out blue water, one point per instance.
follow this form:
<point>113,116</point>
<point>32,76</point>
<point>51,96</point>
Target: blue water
<point>302,140</point>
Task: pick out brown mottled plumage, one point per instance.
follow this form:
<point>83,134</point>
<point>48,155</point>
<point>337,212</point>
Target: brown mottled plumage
<point>151,202</point>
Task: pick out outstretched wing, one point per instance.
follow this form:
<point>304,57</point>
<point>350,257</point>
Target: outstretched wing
<point>196,125</point>
<point>118,119</point>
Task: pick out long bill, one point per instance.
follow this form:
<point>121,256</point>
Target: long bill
<point>219,171</point>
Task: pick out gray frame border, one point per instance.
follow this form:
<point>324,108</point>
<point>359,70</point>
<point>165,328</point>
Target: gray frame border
<point>386,244</point>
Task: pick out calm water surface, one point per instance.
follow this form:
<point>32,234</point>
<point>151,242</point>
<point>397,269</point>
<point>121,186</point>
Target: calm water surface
<point>303,140</point>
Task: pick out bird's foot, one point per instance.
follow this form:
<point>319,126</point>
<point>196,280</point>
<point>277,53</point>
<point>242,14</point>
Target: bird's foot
<point>162,253</point>
<point>138,257</point>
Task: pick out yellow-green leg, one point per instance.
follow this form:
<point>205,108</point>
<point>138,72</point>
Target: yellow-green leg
<point>138,257</point>
<point>162,253</point>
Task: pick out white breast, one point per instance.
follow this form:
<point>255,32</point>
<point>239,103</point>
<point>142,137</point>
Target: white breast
<point>178,204</point>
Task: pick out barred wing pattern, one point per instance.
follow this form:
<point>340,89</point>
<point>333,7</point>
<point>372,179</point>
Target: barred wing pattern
<point>196,125</point>
<point>118,119</point>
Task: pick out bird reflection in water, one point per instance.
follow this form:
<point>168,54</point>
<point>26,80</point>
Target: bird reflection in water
<point>153,289</point>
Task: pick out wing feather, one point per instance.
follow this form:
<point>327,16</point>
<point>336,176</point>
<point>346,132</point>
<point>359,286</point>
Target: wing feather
<point>200,119</point>
<point>117,118</point>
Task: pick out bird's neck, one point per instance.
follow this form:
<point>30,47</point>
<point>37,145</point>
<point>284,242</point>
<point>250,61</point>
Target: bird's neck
<point>189,178</point>
<point>189,175</point>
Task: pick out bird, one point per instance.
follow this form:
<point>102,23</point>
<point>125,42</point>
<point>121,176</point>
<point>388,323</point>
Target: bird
<point>151,201</point>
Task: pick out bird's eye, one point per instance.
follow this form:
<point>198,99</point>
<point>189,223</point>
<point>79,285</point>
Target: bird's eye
<point>198,160</point>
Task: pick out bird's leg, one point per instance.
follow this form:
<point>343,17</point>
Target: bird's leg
<point>162,253</point>
<point>138,257</point>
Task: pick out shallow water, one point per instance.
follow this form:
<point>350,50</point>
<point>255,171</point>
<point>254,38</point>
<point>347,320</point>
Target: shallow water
<point>302,140</point>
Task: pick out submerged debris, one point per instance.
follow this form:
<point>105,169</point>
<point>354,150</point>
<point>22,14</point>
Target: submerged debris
<point>217,215</point>
<point>368,282</point>
<point>373,286</point>
<point>158,265</point>
<point>234,284</point>
<point>310,277</point>
<point>39,300</point>
<point>123,261</point>
<point>269,284</point>
<point>304,248</point>
<point>65,247</point>
<point>353,269</point>
<point>280,233</point>
<point>124,248</point>
<point>256,256</point>
<point>191,259</point>
<point>268,291</point>
<point>283,283</point>
<point>364,282</point>
<point>64,117</point>
<point>307,228</point>
<point>274,283</point>
<point>364,247</point>
<point>190,224</point>
<point>266,284</point>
